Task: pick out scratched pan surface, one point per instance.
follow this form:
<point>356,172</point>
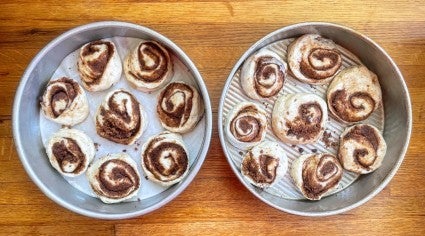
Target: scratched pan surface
<point>28,138</point>
<point>394,121</point>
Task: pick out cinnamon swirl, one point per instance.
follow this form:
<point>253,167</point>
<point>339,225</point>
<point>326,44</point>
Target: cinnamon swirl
<point>64,101</point>
<point>114,178</point>
<point>246,125</point>
<point>316,174</point>
<point>299,118</point>
<point>354,94</point>
<point>165,159</point>
<point>99,65</point>
<point>265,164</point>
<point>120,118</point>
<point>180,107</point>
<point>263,74</point>
<point>149,66</point>
<point>70,151</point>
<point>361,149</point>
<point>314,59</point>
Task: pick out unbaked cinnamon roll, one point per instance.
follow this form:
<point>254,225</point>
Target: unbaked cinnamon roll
<point>263,74</point>
<point>314,59</point>
<point>354,94</point>
<point>120,118</point>
<point>299,118</point>
<point>316,174</point>
<point>64,101</point>
<point>180,107</point>
<point>361,149</point>
<point>149,66</point>
<point>265,164</point>
<point>70,151</point>
<point>165,159</point>
<point>246,125</point>
<point>114,178</point>
<point>99,65</point>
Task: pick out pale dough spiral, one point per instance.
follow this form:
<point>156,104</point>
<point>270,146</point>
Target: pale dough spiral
<point>165,158</point>
<point>64,101</point>
<point>70,151</point>
<point>316,174</point>
<point>246,125</point>
<point>263,75</point>
<point>149,66</point>
<point>120,118</point>
<point>99,65</point>
<point>314,59</point>
<point>354,94</point>
<point>180,107</point>
<point>299,118</point>
<point>265,164</point>
<point>114,178</point>
<point>361,149</point>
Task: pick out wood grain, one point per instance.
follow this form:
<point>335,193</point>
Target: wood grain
<point>214,34</point>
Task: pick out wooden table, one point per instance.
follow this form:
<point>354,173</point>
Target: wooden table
<point>214,34</point>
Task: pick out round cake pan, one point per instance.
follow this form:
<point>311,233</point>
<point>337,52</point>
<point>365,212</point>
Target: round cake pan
<point>26,130</point>
<point>397,113</point>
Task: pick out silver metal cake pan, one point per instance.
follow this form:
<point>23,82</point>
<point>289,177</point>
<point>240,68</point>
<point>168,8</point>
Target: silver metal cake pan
<point>26,129</point>
<point>397,130</point>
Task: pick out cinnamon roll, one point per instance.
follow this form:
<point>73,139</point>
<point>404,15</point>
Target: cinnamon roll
<point>165,159</point>
<point>299,118</point>
<point>265,164</point>
<point>120,118</point>
<point>246,125</point>
<point>64,101</point>
<point>361,149</point>
<point>314,59</point>
<point>263,74</point>
<point>354,94</point>
<point>316,174</point>
<point>180,107</point>
<point>149,66</point>
<point>99,65</point>
<point>70,151</point>
<point>114,178</point>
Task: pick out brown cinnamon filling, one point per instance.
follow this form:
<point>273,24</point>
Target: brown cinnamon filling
<point>261,171</point>
<point>151,51</point>
<point>116,121</point>
<point>320,63</point>
<point>177,159</point>
<point>320,174</point>
<point>269,76</point>
<point>68,153</point>
<point>118,183</point>
<point>327,169</point>
<point>97,66</point>
<point>344,107</point>
<point>367,137</point>
<point>245,127</point>
<point>175,115</point>
<point>308,124</point>
<point>59,95</point>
